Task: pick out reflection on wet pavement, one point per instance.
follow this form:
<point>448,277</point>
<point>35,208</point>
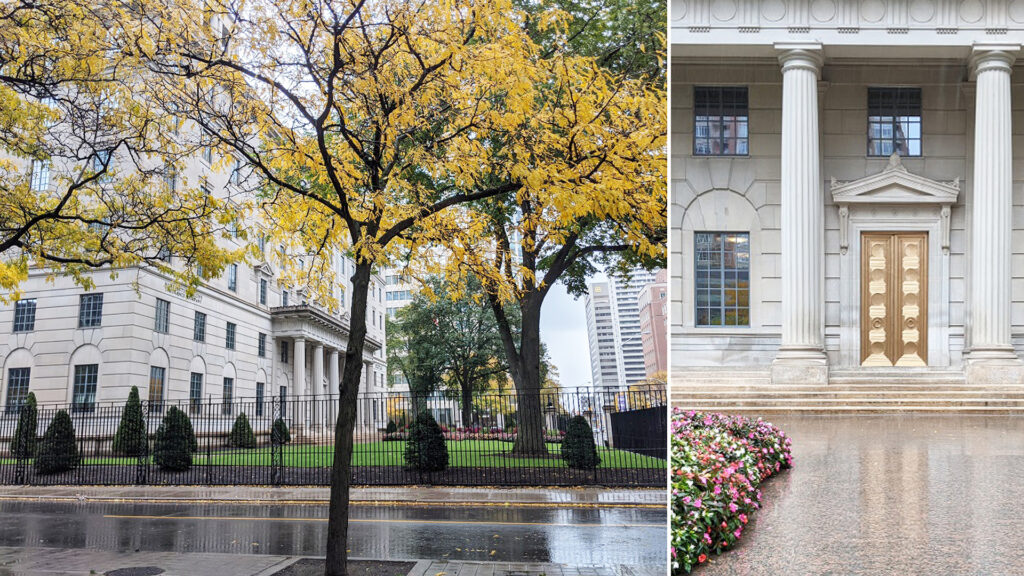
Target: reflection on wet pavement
<point>891,494</point>
<point>570,536</point>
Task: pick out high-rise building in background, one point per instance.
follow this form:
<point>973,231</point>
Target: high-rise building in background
<point>614,331</point>
<point>653,303</point>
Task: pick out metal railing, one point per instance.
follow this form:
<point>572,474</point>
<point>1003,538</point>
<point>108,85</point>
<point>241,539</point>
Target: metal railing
<point>481,441</point>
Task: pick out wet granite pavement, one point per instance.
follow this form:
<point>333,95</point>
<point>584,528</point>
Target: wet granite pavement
<point>890,494</point>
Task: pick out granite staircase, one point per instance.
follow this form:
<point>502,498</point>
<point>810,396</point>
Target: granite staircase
<point>928,390</point>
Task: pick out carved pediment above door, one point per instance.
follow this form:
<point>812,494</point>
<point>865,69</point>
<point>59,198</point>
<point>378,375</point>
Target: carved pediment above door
<point>894,186</point>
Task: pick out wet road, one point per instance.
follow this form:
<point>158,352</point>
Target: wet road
<point>602,536</point>
<point>890,494</point>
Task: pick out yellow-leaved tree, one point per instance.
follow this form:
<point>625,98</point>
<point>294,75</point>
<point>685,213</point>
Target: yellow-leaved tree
<point>587,155</point>
<point>361,121</point>
<point>86,167</point>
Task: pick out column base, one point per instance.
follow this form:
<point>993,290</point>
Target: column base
<point>800,366</point>
<point>993,365</point>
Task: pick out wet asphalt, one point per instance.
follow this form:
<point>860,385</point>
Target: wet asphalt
<point>600,536</point>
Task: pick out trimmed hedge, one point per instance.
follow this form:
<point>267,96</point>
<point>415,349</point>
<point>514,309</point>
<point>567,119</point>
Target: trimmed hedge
<point>425,450</point>
<point>241,433</point>
<point>58,451</point>
<point>175,442</point>
<point>578,448</point>
<point>131,438</point>
<point>23,444</point>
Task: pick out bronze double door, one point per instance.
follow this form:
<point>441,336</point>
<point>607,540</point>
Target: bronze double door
<point>894,299</point>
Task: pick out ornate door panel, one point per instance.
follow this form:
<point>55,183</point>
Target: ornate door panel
<point>894,299</point>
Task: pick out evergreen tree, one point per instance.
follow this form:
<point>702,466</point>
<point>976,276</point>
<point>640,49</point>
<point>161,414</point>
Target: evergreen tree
<point>175,441</point>
<point>241,433</point>
<point>131,438</point>
<point>425,450</point>
<point>578,449</point>
<point>23,445</point>
<point>279,433</point>
<point>58,451</point>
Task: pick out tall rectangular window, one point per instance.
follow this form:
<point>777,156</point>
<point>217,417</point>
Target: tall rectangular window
<point>195,393</point>
<point>720,121</point>
<point>83,395</point>
<point>90,310</point>
<point>233,277</point>
<point>40,175</point>
<point>25,315</point>
<point>157,375</point>
<point>283,393</point>
<point>894,121</point>
<point>199,328</point>
<point>722,278</point>
<point>261,346</point>
<point>17,387</point>
<point>285,345</point>
<point>229,337</point>
<point>229,391</point>
<point>263,291</point>
<point>163,316</point>
<point>284,297</point>
<point>259,398</point>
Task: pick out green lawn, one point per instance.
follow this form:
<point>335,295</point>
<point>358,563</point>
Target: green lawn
<point>461,454</point>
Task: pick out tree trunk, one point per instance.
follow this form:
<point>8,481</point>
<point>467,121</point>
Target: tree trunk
<point>341,473</point>
<point>526,375</point>
<point>467,403</point>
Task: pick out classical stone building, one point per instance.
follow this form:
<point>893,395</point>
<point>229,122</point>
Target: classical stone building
<point>240,336</point>
<point>847,189</point>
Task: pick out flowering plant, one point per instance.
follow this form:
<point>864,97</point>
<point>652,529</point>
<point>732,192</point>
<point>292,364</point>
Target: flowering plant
<point>718,461</point>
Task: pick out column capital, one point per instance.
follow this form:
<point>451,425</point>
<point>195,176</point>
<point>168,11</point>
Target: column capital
<point>800,56</point>
<point>985,57</point>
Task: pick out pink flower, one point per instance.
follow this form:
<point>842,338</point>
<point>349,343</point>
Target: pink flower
<point>697,503</point>
<point>733,507</point>
<point>737,532</point>
<point>743,518</point>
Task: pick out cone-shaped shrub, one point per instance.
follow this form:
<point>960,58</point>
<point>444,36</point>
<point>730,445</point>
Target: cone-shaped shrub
<point>425,449</point>
<point>391,429</point>
<point>175,441</point>
<point>23,445</point>
<point>130,439</point>
<point>578,449</point>
<point>279,433</point>
<point>241,433</point>
<point>57,451</point>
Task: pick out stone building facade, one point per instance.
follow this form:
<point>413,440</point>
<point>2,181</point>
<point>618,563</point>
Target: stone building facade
<point>847,187</point>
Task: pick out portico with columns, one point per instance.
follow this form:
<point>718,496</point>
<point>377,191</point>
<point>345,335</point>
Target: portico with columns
<point>847,189</point>
<point>315,362</point>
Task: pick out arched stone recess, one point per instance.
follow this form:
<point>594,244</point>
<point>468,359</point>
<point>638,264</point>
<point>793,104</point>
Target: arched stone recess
<point>160,359</point>
<point>18,358</point>
<point>85,354</point>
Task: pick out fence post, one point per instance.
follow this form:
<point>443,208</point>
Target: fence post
<point>276,446</point>
<point>142,461</point>
<point>19,470</point>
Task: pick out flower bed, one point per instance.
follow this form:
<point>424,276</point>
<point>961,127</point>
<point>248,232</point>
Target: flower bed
<point>718,461</point>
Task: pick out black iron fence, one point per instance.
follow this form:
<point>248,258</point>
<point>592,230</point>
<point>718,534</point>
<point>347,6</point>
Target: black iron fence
<point>292,441</point>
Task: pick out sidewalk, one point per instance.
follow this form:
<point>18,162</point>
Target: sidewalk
<point>61,562</point>
<point>588,497</point>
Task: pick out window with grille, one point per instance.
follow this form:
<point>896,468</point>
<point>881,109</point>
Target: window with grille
<point>229,338</point>
<point>25,315</point>
<point>263,291</point>
<point>163,316</point>
<point>259,398</point>
<point>40,175</point>
<point>199,328</point>
<point>720,121</point>
<point>195,393</point>
<point>233,277</point>
<point>284,298</point>
<point>722,278</point>
<point>17,387</point>
<point>229,391</point>
<point>894,121</point>
<point>90,310</point>
<point>157,375</point>
<point>83,394</point>
<point>261,345</point>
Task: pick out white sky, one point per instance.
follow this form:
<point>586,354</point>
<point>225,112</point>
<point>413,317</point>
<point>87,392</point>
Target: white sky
<point>563,328</point>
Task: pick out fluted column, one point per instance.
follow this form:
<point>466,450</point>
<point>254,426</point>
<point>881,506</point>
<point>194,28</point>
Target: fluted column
<point>801,357</point>
<point>299,376</point>
<point>318,383</point>
<point>992,207</point>
<point>333,364</point>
